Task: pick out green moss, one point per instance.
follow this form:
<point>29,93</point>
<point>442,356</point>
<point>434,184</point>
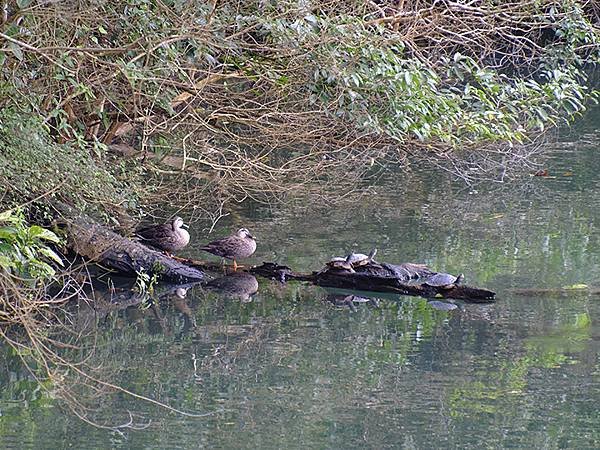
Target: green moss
<point>32,165</point>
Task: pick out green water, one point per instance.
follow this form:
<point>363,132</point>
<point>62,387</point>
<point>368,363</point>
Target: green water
<point>291,367</point>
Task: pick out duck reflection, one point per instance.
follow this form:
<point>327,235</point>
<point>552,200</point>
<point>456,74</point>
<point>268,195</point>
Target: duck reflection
<point>159,306</point>
<point>237,285</point>
<point>179,301</point>
<point>101,299</point>
<point>181,292</point>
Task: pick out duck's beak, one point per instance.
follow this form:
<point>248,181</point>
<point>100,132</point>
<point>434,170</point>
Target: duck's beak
<point>185,225</point>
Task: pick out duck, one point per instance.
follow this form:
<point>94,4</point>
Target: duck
<point>169,237</point>
<point>240,244</point>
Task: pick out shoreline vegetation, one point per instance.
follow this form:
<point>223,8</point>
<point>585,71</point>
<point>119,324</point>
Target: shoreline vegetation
<point>115,107</point>
<point>130,102</point>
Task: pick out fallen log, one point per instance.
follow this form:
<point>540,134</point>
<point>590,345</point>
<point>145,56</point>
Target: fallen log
<point>99,244</point>
<point>386,280</point>
<point>107,248</point>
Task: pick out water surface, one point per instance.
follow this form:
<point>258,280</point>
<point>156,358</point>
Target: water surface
<point>297,366</point>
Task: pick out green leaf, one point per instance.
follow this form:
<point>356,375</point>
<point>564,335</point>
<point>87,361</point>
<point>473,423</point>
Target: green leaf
<point>39,268</point>
<point>8,233</point>
<point>6,216</point>
<point>576,286</point>
<point>583,321</point>
<point>22,4</point>
<point>542,113</point>
<point>6,262</point>
<point>48,253</point>
<point>28,252</point>
<point>36,231</point>
<point>16,50</point>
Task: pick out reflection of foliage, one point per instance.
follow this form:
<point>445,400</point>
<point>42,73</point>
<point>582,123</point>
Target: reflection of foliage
<point>290,361</point>
<point>420,322</point>
<point>236,337</point>
<point>569,338</point>
<point>144,284</point>
<point>54,353</point>
<point>510,379</point>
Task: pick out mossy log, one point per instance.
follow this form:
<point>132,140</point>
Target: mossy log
<point>388,279</point>
<point>107,248</point>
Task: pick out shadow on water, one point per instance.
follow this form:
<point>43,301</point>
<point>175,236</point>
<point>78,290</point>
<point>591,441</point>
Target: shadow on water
<point>298,366</point>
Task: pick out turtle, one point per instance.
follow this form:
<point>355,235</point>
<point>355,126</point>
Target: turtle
<point>338,263</point>
<point>411,273</point>
<point>359,259</point>
<point>168,237</point>
<point>240,244</point>
<point>444,280</point>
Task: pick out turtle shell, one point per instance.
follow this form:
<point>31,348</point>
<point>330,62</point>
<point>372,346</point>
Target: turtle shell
<point>336,262</point>
<point>339,263</point>
<point>442,279</point>
<point>360,259</point>
<point>357,258</point>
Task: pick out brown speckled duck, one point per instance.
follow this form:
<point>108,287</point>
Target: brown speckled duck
<point>169,236</point>
<point>241,244</point>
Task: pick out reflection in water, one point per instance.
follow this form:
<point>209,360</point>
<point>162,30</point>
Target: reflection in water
<point>442,306</point>
<point>238,285</point>
<point>288,371</point>
<point>350,301</point>
<point>118,294</point>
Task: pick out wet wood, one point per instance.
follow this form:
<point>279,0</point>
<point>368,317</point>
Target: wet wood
<point>369,279</point>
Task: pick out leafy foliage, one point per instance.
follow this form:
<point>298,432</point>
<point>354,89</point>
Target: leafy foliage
<point>367,77</point>
<point>144,286</point>
<point>259,96</point>
<point>26,250</point>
